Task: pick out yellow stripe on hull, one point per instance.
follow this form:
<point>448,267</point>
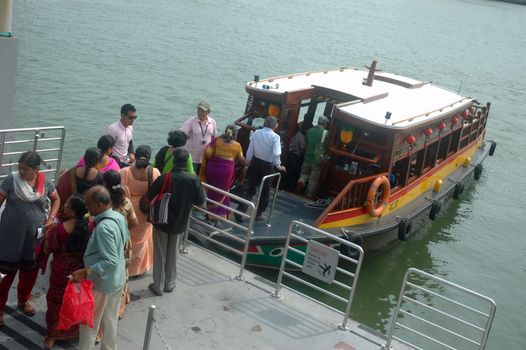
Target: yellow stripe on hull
<point>424,184</point>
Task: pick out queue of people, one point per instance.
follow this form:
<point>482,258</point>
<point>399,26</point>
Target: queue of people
<point>93,223</point>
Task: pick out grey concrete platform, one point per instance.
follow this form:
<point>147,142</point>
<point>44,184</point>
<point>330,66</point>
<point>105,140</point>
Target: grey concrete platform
<point>209,309</point>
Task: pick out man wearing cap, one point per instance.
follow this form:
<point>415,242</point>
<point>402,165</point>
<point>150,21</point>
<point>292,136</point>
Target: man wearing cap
<point>122,133</point>
<point>311,168</point>
<point>263,153</point>
<point>199,129</point>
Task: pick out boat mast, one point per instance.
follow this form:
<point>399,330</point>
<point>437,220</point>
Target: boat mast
<point>370,76</point>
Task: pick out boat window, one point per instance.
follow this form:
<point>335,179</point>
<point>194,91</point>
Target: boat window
<point>443,147</point>
<point>257,110</point>
<point>398,174</point>
<point>311,109</point>
<point>415,165</point>
<point>304,108</point>
<point>453,145</point>
<point>430,158</point>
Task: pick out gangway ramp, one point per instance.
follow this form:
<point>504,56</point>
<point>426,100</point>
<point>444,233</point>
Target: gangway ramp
<point>211,308</point>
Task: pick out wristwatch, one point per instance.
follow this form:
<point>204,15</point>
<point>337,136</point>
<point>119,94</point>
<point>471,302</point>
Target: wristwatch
<point>89,271</point>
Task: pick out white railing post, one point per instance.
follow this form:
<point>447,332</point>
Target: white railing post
<point>6,19</point>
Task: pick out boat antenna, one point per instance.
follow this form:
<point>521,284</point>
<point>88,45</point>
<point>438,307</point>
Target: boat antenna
<point>370,76</point>
<point>460,87</point>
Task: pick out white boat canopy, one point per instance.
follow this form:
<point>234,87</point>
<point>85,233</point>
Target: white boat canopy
<point>408,101</point>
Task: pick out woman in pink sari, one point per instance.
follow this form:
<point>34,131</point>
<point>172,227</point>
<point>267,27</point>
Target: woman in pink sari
<point>218,169</point>
<point>107,163</point>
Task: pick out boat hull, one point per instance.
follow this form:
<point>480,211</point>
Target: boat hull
<point>385,232</point>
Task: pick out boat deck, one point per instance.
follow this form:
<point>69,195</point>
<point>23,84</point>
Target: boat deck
<point>288,207</point>
<point>208,309</point>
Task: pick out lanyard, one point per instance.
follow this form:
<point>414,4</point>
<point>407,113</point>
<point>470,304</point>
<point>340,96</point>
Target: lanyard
<point>203,132</point>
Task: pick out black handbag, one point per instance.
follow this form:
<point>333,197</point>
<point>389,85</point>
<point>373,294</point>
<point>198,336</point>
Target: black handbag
<point>159,205</point>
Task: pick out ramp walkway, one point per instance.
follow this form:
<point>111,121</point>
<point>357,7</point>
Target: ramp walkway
<point>209,309</point>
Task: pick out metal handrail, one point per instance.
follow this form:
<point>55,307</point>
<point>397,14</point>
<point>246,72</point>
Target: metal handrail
<point>37,143</point>
<point>486,317</point>
<point>339,198</point>
<point>247,230</point>
<point>351,289</point>
<point>265,178</point>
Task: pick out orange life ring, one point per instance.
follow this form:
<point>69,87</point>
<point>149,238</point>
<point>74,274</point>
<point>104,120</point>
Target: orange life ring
<point>371,195</point>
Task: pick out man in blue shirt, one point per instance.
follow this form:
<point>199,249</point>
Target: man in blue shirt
<point>104,263</point>
<point>263,153</point>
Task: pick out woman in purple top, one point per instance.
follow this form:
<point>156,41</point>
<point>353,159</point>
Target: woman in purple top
<point>107,163</point>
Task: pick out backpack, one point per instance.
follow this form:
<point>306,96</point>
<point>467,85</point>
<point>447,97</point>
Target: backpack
<point>319,149</point>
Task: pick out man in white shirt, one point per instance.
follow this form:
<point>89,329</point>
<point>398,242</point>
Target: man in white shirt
<point>122,133</point>
<point>200,130</point>
<point>264,152</point>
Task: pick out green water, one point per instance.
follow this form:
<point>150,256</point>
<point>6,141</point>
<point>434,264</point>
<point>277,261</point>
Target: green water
<point>81,60</point>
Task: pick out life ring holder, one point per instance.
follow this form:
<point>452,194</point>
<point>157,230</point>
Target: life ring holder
<point>371,195</point>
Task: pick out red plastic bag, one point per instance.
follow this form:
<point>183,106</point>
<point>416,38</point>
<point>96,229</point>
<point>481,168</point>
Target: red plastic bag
<point>77,305</point>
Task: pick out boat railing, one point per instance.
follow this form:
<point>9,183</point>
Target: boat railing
<point>422,318</point>
<point>321,262</point>
<point>353,196</point>
<point>47,141</point>
<point>274,194</point>
<point>220,230</point>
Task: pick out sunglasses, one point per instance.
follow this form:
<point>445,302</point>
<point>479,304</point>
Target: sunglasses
<point>132,117</point>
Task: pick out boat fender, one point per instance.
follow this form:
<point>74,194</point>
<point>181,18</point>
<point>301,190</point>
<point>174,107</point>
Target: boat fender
<point>352,237</point>
<point>435,210</point>
<point>438,186</point>
<point>467,162</point>
<point>371,195</point>
<point>459,188</point>
<point>492,148</point>
<point>404,229</point>
<point>478,171</point>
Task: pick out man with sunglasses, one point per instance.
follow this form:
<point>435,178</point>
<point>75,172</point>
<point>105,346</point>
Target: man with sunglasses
<point>122,133</point>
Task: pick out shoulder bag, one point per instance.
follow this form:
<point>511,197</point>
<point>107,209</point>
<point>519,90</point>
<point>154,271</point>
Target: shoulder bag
<point>159,205</point>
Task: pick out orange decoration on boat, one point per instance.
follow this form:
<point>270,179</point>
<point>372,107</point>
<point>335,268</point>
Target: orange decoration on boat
<point>346,136</point>
<point>410,139</point>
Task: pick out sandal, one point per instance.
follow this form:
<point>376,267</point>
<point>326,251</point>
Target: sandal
<point>49,342</point>
<point>26,308</point>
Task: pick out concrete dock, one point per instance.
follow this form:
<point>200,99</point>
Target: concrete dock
<point>209,309</point>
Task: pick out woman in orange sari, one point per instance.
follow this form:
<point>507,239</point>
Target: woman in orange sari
<point>218,169</point>
<point>135,184</point>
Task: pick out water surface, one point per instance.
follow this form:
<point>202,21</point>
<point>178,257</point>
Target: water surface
<point>81,60</point>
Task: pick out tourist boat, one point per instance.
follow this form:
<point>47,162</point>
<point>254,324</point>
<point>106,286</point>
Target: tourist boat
<point>396,149</point>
